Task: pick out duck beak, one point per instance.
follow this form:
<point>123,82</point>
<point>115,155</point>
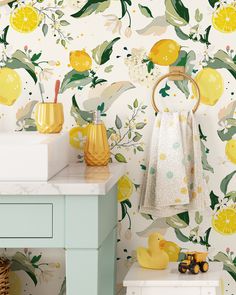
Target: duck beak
<point>162,244</point>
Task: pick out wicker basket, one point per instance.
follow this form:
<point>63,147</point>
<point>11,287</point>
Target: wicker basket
<point>4,276</point>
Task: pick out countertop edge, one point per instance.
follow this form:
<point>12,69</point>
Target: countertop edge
<point>64,184</point>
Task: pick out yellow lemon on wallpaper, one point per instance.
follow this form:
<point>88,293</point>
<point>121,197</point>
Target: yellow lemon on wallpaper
<point>172,249</point>
<point>15,284</point>
<point>211,86</point>
<point>224,221</point>
<point>125,188</point>
<point>165,52</point>
<point>10,86</point>
<point>224,19</point>
<point>230,150</point>
<point>78,136</point>
<point>80,60</point>
<point>25,19</point>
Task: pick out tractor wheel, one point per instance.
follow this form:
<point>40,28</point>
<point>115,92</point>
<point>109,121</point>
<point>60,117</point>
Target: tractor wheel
<point>182,269</point>
<point>204,266</point>
<point>194,269</point>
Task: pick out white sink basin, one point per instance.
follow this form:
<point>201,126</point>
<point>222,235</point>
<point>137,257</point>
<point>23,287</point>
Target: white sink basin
<point>31,156</point>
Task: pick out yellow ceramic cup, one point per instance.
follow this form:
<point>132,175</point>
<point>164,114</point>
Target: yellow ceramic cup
<point>49,117</point>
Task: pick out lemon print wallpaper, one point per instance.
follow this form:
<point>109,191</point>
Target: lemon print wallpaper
<point>108,55</point>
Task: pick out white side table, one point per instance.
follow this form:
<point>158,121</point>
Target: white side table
<point>140,281</point>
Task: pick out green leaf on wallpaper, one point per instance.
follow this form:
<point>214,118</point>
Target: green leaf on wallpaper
<point>231,196</point>
<point>23,116</point>
<point>3,38</point>
<point>222,60</point>
<point>102,53</point>
<point>181,236</point>
<point>36,56</point>
<point>145,11</point>
<point>176,13</point>
<point>81,117</point>
<point>140,125</point>
<point>147,216</point>
<point>137,136</point>
<point>225,182</point>
<point>181,60</point>
<point>198,15</point>
<point>213,2</point>
<point>157,26</point>
<point>163,91</point>
<point>92,6</point>
<point>231,121</point>
<point>123,210</point>
<point>120,158</point>
<point>205,165</point>
<point>143,167</point>
<point>29,124</point>
<point>108,69</point>
<point>110,131</point>
<point>33,277</point>
<point>176,222</point>
<point>140,149</point>
<point>64,23</point>
<point>198,217</point>
<point>118,122</point>
<point>227,134</point>
<point>189,65</point>
<point>20,60</point>
<point>135,103</point>
<point>214,200</point>
<point>35,259</point>
<point>59,13</point>
<point>150,66</point>
<point>201,134</point>
<point>45,29</point>
<point>123,8</point>
<point>108,93</point>
<point>184,216</point>
<point>11,3</point>
<point>128,203</point>
<point>75,79</point>
<point>206,237</point>
<point>181,34</point>
<point>228,263</point>
<point>129,2</point>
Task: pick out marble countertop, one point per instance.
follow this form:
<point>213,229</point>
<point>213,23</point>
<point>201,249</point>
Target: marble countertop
<point>76,179</point>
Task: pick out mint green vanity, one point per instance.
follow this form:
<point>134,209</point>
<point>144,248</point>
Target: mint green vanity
<point>75,210</point>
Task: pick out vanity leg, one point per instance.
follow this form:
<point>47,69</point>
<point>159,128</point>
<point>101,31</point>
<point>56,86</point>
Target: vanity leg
<point>81,272</point>
<point>92,271</point>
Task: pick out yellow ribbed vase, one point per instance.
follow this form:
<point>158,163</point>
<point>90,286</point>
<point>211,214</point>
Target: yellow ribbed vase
<point>49,117</point>
<point>96,150</point>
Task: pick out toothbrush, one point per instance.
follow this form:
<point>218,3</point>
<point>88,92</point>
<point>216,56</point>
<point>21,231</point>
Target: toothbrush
<point>57,87</point>
<point>41,88</point>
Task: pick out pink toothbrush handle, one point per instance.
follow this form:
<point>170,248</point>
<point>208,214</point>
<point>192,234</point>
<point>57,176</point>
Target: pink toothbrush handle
<point>57,87</point>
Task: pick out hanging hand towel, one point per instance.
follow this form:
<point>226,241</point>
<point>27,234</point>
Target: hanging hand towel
<point>174,180</point>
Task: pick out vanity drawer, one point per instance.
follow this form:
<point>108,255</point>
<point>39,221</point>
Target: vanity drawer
<point>26,220</point>
<point>31,221</point>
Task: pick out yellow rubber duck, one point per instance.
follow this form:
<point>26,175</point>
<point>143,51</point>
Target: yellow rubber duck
<point>153,257</point>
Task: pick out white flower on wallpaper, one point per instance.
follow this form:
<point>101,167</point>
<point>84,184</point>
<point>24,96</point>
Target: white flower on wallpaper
<point>113,23</point>
<point>138,70</point>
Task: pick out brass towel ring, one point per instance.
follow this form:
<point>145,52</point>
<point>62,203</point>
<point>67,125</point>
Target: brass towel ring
<point>176,74</point>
